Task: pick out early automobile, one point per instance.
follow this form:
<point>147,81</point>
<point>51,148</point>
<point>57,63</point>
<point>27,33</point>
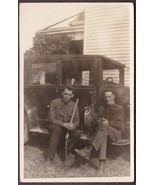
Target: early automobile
<point>45,77</point>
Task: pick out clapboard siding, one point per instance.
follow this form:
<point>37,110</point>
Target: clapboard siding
<point>108,32</point>
<point>111,73</point>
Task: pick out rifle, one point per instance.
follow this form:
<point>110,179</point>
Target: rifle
<point>67,133</point>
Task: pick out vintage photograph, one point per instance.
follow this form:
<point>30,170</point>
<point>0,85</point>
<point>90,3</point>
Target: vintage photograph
<point>76,70</point>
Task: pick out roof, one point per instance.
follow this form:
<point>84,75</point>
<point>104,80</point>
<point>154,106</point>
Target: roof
<point>79,20</point>
<point>106,60</point>
<point>62,30</point>
<point>73,23</point>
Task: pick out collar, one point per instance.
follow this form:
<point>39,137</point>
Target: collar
<point>113,105</point>
<point>64,103</point>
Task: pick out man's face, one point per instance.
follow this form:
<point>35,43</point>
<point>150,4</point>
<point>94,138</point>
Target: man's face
<point>67,95</point>
<point>109,98</point>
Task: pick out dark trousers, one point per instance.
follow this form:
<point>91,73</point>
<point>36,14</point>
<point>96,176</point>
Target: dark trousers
<point>99,141</point>
<point>57,140</point>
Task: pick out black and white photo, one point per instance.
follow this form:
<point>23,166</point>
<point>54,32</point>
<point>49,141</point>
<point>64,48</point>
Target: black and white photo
<point>76,92</point>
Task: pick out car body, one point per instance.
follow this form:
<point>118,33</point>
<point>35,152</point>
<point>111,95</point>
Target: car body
<point>46,76</point>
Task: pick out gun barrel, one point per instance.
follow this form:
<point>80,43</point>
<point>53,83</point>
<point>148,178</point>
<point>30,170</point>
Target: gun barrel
<point>73,114</point>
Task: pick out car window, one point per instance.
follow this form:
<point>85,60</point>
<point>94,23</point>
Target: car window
<point>78,73</point>
<point>43,74</point>
<point>111,75</point>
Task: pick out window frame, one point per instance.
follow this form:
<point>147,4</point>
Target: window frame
<point>43,62</point>
<point>78,60</point>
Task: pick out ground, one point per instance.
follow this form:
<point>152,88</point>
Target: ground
<point>36,165</point>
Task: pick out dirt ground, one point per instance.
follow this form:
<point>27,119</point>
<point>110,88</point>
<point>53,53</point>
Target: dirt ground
<point>36,165</point>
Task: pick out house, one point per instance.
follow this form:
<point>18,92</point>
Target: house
<point>102,29</point>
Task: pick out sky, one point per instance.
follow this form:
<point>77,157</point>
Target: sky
<point>37,16</point>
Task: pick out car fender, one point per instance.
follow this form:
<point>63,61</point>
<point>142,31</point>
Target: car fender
<point>31,111</point>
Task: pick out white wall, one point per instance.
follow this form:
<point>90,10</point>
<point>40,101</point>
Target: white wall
<point>109,32</point>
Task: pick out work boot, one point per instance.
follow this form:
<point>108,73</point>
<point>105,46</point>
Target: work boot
<point>50,160</point>
<point>85,153</point>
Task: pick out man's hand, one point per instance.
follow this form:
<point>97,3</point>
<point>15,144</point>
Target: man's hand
<point>69,126</point>
<point>105,121</point>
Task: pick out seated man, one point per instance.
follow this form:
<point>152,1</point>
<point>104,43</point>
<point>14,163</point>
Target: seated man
<point>110,124</point>
<point>61,110</point>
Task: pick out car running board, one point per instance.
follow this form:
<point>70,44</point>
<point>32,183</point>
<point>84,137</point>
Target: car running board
<point>39,130</point>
